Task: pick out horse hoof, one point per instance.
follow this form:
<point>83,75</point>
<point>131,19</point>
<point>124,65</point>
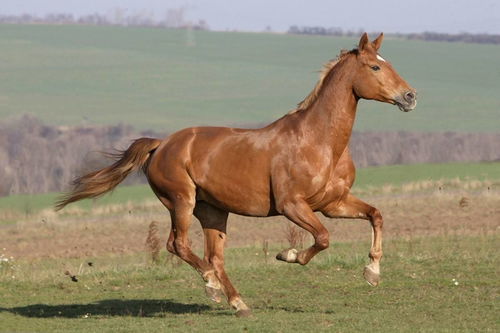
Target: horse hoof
<point>372,277</point>
<point>289,255</point>
<point>213,294</point>
<point>243,313</point>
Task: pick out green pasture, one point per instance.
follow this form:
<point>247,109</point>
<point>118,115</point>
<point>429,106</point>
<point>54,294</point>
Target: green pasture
<point>31,203</point>
<point>371,179</point>
<point>429,285</point>
<point>169,79</point>
<point>401,174</point>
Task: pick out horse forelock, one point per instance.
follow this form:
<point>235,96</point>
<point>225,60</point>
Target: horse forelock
<point>327,68</point>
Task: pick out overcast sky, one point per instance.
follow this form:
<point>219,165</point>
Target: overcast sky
<point>452,16</point>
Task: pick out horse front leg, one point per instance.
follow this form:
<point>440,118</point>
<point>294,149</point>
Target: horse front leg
<point>352,207</point>
<point>300,213</point>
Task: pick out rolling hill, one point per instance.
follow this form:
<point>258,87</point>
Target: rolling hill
<point>169,79</point>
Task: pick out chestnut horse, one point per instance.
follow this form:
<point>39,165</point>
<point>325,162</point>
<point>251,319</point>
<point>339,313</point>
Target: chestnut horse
<point>298,165</point>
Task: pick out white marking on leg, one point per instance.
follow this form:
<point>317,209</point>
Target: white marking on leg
<point>380,58</point>
<point>373,238</point>
<point>212,280</point>
<point>291,256</point>
<point>213,284</point>
<point>374,267</point>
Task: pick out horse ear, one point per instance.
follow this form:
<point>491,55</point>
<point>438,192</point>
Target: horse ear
<point>363,42</point>
<point>378,42</point>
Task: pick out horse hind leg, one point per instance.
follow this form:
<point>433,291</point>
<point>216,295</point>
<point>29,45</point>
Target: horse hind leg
<point>212,268</point>
<point>181,211</point>
<point>210,217</point>
<point>213,221</point>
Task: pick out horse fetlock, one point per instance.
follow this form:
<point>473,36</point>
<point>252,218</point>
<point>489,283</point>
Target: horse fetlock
<point>215,294</point>
<point>210,278</point>
<point>375,255</point>
<point>213,287</point>
<point>288,255</point>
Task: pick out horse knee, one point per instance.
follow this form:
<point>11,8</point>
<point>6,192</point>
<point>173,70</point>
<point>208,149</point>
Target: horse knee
<point>322,241</point>
<point>171,247</point>
<point>181,248</point>
<point>376,218</point>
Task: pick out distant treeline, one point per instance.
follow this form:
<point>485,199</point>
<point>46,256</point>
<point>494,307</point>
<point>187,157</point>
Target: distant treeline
<point>36,158</point>
<point>174,18</point>
<point>425,36</point>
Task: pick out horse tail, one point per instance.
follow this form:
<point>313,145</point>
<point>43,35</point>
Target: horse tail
<point>102,181</point>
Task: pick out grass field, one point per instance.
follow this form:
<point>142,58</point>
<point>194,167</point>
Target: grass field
<point>166,79</point>
<point>432,285</point>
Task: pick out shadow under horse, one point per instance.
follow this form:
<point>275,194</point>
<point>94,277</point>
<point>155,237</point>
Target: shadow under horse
<point>109,307</point>
<point>297,165</point>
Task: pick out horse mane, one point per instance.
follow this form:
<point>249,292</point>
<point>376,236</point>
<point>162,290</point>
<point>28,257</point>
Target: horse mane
<point>325,71</point>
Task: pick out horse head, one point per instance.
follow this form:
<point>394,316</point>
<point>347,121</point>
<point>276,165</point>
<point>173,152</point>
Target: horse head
<point>376,79</point>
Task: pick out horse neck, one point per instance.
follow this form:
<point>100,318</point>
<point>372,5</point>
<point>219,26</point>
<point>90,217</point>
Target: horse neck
<point>331,118</point>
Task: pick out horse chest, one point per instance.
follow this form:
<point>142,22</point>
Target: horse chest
<point>303,176</point>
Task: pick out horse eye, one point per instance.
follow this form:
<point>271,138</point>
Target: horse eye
<point>375,68</point>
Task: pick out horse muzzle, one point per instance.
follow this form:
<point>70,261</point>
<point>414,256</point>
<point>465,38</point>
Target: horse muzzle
<point>407,101</point>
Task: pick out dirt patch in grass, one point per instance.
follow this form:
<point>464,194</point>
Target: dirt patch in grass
<point>123,229</point>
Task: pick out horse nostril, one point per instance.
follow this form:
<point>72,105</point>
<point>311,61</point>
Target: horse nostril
<point>409,97</point>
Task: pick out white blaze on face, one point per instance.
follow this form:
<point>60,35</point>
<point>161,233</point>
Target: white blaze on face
<point>380,58</point>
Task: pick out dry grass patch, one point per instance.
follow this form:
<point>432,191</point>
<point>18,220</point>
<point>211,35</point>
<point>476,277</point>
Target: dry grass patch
<point>122,229</point>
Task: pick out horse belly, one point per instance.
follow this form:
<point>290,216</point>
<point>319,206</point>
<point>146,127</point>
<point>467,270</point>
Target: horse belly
<point>242,202</point>
<point>238,193</point>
